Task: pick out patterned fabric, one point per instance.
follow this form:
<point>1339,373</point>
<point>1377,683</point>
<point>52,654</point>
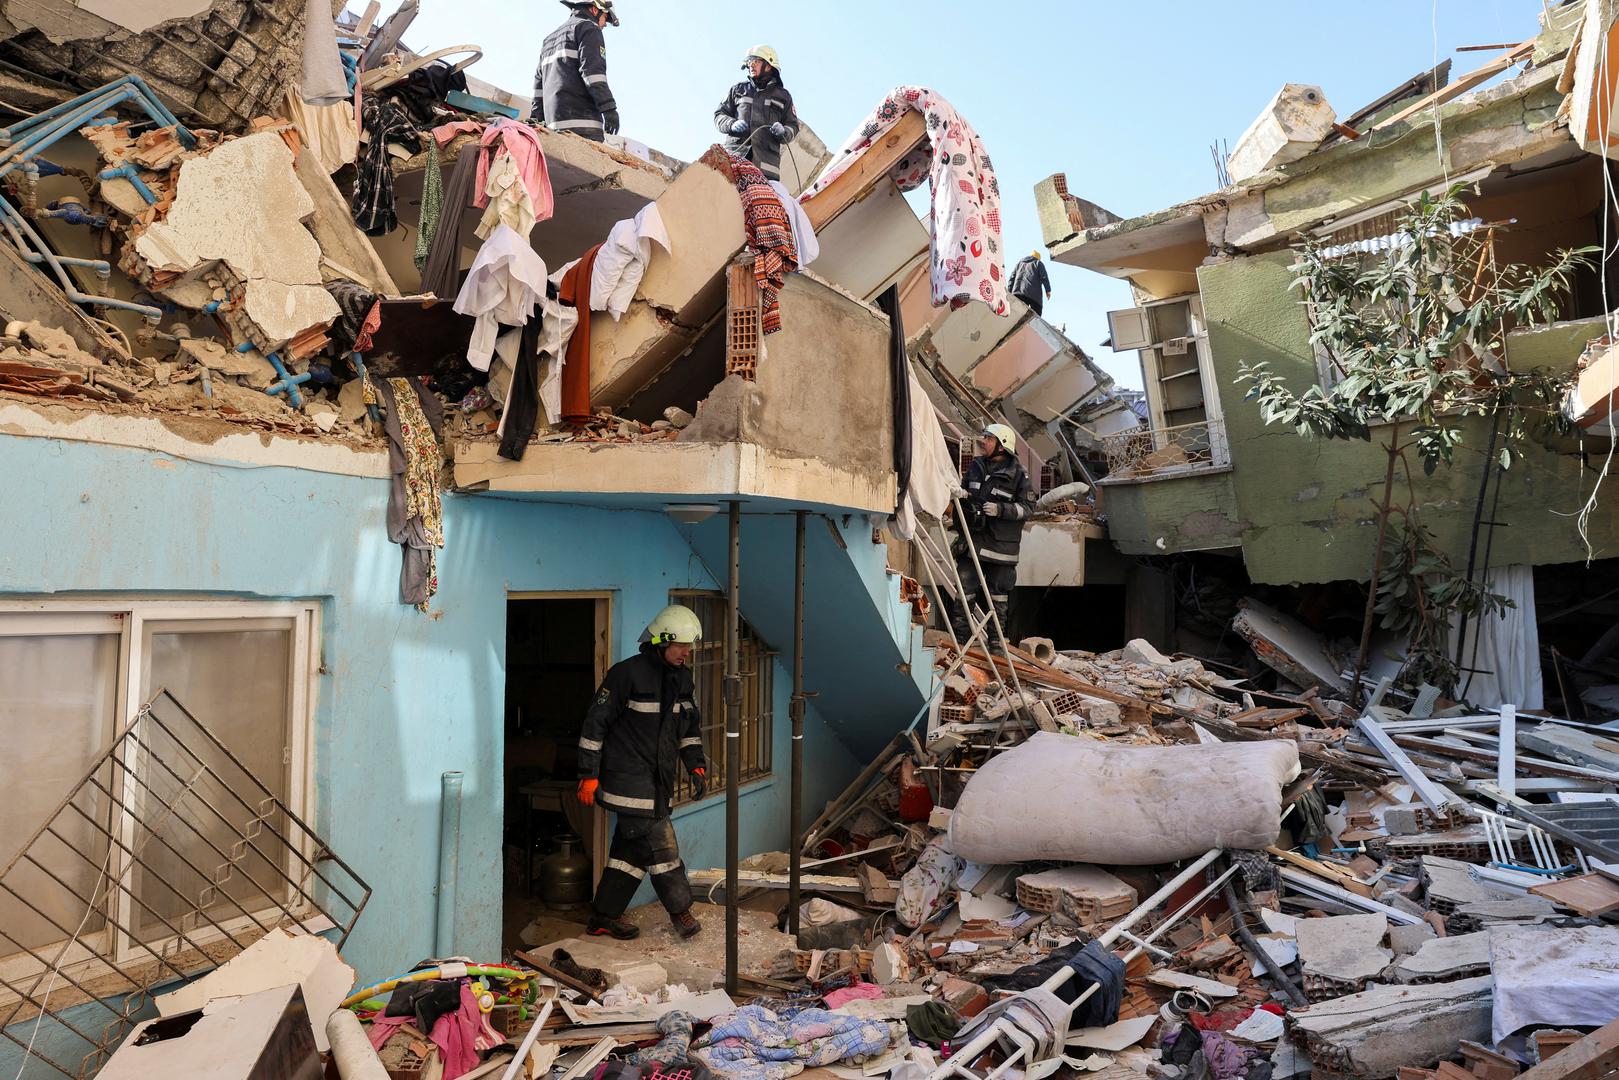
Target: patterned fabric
<point>754,1043</point>
<point>927,886</point>
<point>413,418</point>
<point>675,1027</point>
<point>423,502</point>
<point>355,305</point>
<point>965,222</point>
<point>383,120</point>
<point>432,203</point>
<point>770,234</point>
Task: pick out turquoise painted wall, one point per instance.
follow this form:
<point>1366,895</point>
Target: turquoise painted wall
<point>405,696</point>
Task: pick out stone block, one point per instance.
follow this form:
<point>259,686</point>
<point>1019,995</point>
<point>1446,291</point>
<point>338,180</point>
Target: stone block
<point>1343,948</point>
<point>1403,820</point>
<point>1374,1033</point>
<point>1443,958</point>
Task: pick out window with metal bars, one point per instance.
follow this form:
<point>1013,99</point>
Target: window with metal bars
<point>756,664</point>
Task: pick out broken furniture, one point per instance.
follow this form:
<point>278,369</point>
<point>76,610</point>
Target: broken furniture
<point>262,1036</point>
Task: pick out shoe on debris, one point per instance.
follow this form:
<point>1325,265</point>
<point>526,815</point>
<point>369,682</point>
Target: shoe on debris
<point>620,928</point>
<point>686,924</point>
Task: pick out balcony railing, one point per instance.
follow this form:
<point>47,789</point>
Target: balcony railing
<point>1150,451</point>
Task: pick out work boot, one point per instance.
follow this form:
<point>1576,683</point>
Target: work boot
<point>686,924</point>
<point>620,928</point>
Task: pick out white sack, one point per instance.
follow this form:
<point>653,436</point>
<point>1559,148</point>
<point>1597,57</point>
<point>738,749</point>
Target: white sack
<point>1070,799</point>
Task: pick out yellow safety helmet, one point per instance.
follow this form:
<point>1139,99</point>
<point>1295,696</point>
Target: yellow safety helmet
<point>765,53</point>
<point>675,624</point>
<point>1007,437</point>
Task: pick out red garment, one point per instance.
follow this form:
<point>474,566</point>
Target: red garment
<point>459,1036</point>
<point>575,287</point>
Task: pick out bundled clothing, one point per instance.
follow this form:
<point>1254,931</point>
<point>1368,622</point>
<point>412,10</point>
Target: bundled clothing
<point>1092,964</point>
<point>754,1043</point>
<point>414,422</point>
<point>461,1034</point>
<point>1000,480</point>
<point>506,281</point>
<point>760,104</point>
<point>359,315</point>
<point>927,886</point>
<point>513,178</point>
<point>640,732</point>
<point>623,259</point>
<point>570,85</point>
<point>965,223</point>
<point>1030,282</point>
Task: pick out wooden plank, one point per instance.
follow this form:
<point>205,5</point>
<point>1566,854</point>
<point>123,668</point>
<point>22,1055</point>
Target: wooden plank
<point>1538,766</point>
<point>1464,83</point>
<point>1592,895</point>
<point>533,961</point>
<point>875,163</point>
<point>755,879</point>
<point>1592,1057</point>
<point>1326,871</point>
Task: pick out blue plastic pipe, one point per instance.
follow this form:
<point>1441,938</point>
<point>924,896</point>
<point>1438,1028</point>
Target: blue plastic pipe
<point>449,862</point>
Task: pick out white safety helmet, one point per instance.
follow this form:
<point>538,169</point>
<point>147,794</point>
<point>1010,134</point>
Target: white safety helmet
<point>765,53</point>
<point>1007,437</point>
<point>675,624</point>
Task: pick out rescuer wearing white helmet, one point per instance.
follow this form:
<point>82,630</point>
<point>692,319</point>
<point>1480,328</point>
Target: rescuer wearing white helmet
<point>641,728</point>
<point>999,500</point>
<point>757,116</point>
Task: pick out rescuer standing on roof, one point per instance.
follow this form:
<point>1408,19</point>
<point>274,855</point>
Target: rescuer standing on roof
<point>641,728</point>
<point>998,502</point>
<point>757,116</point>
<point>570,85</point>
<point>1029,278</point>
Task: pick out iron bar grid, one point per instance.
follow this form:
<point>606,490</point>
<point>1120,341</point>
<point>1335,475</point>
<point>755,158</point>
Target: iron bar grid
<point>116,900</point>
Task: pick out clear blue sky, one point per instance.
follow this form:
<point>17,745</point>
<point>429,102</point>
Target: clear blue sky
<point>1123,97</point>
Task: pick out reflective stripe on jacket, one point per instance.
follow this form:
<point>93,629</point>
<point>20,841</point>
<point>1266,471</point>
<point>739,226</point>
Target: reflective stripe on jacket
<point>641,726</point>
<point>570,85</point>
<point>1000,479</point>
<point>758,107</point>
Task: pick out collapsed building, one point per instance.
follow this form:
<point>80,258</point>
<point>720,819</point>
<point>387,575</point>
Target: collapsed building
<point>339,484</point>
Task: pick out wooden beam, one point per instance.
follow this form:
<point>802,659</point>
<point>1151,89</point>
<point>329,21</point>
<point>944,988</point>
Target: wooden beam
<point>1592,1057</point>
<point>876,162</point>
<point>1463,84</point>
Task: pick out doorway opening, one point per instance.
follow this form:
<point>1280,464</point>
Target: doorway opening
<point>558,649</point>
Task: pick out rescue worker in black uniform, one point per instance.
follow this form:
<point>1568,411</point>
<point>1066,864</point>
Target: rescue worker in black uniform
<point>1030,283</point>
<point>757,116</point>
<point>570,85</point>
<point>642,726</point>
<point>999,500</point>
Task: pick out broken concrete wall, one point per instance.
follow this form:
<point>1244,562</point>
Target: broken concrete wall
<point>1196,512</point>
<point>218,64</point>
<point>1307,504</point>
<point>824,387</point>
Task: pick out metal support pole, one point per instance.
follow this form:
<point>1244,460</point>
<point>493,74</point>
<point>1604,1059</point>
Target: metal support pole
<point>733,737</point>
<point>795,851</point>
<point>449,862</point>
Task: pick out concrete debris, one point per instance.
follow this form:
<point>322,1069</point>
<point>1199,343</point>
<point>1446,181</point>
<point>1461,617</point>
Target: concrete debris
<point>1375,1033</point>
<point>1343,950</point>
<point>1442,959</point>
<point>1285,645</point>
<point>1291,126</point>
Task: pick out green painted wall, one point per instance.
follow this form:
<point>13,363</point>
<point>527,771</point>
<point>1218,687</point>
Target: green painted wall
<point>1189,513</point>
<point>1305,507</point>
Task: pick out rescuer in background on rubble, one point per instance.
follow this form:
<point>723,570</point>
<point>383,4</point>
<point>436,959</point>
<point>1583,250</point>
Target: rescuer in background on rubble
<point>757,116</point>
<point>570,85</point>
<point>998,502</point>
<point>641,727</point>
<point>1029,278</point>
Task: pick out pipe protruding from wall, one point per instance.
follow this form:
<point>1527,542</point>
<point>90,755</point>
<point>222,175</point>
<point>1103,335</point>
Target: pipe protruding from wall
<point>449,862</point>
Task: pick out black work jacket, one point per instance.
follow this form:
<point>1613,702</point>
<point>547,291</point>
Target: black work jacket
<point>999,479</point>
<point>570,85</point>
<point>641,727</point>
<point>758,106</point>
<point>1029,279</point>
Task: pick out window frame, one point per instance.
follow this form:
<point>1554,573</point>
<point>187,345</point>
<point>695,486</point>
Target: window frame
<point>134,621</point>
<point>713,718</point>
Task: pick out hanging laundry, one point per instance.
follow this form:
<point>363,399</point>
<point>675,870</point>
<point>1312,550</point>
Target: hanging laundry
<point>965,221</point>
<point>769,230</point>
<point>575,286</point>
<point>809,248</point>
<point>523,144</point>
<point>323,81</point>
<point>359,315</point>
<point>383,120</point>
<point>506,280</point>
<point>432,204</point>
<point>623,260</point>
<point>328,131</point>
<point>441,276</point>
<point>508,200</point>
<point>446,132</point>
<point>414,422</point>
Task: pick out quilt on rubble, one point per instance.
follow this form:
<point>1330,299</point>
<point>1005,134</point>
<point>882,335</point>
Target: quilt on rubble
<point>754,1043</point>
<point>965,222</point>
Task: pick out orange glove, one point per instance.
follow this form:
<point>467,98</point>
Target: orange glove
<point>587,791</point>
<point>699,783</point>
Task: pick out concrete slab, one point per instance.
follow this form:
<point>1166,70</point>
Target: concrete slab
<point>1444,958</point>
<point>699,962</point>
<point>1573,746</point>
<point>1450,882</point>
<point>1406,940</point>
<point>1287,646</point>
<point>1373,1033</point>
<point>1343,948</point>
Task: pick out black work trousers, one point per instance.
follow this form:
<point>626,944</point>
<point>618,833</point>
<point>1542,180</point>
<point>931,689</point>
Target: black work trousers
<point>1001,578</point>
<point>642,846</point>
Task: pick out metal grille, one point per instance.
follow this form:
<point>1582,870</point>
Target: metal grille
<point>168,858</point>
<point>1146,451</point>
<point>756,664</point>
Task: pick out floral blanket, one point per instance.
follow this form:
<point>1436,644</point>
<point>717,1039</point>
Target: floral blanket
<point>754,1043</point>
<point>965,221</point>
